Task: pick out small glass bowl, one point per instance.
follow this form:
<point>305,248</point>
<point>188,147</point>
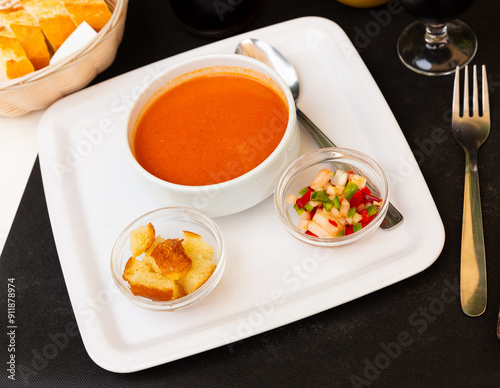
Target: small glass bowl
<point>170,222</point>
<point>303,170</point>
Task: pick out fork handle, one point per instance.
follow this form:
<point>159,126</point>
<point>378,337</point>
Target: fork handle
<point>473,260</point>
<point>393,217</point>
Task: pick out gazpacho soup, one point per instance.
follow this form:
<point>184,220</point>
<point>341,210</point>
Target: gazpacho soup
<point>210,126</point>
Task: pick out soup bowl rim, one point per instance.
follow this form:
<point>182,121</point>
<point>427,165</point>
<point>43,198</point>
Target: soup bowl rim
<point>150,90</point>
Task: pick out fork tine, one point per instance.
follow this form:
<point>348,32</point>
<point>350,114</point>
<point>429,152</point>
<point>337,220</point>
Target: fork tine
<point>456,96</point>
<point>486,99</point>
<point>466,92</point>
<point>475,96</point>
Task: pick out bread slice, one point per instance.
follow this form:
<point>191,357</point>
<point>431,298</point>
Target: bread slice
<point>13,60</point>
<point>141,239</point>
<point>201,255</point>
<point>171,258</point>
<point>146,282</point>
<point>54,19</point>
<point>29,34</point>
<point>95,12</point>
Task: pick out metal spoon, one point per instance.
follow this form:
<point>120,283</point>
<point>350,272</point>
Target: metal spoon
<point>267,54</point>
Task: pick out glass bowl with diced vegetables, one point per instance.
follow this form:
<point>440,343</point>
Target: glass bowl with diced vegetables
<point>332,196</point>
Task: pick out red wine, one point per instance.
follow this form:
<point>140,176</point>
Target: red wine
<point>436,11</point>
<point>214,18</point>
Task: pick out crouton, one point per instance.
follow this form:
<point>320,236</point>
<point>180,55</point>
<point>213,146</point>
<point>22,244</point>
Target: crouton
<point>145,282</point>
<point>171,258</point>
<point>202,267</point>
<point>141,239</point>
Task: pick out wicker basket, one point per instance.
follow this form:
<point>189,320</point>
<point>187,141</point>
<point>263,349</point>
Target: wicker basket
<point>43,87</point>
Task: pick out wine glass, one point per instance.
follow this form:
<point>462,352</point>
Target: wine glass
<point>437,43</point>
<point>214,19</point>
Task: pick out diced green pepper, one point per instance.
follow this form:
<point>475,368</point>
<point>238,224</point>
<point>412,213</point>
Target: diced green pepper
<point>351,212</point>
<point>308,207</point>
<point>340,233</point>
<point>299,211</point>
<point>356,227</point>
<point>336,202</point>
<point>320,196</point>
<point>303,191</point>
<point>350,189</point>
<point>371,210</point>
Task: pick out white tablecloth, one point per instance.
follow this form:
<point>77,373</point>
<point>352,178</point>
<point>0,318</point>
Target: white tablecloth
<point>18,150</point>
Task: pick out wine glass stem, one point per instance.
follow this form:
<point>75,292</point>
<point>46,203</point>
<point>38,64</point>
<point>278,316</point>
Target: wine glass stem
<point>436,35</point>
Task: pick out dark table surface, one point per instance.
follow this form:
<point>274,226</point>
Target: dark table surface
<point>410,334</point>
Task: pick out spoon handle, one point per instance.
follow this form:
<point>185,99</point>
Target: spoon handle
<point>317,134</point>
<point>393,217</point>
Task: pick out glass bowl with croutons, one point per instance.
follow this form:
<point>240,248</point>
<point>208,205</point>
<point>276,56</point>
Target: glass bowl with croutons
<point>168,259</point>
<point>332,196</point>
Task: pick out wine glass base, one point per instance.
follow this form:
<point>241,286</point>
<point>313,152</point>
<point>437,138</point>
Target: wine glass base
<point>429,59</point>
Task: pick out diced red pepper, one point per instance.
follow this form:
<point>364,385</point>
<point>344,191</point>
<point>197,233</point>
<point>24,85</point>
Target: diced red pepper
<point>310,233</point>
<point>332,222</point>
<point>356,199</point>
<point>366,218</point>
<point>304,199</point>
<point>366,190</point>
<point>313,212</point>
<point>371,198</point>
<point>368,197</point>
<point>348,230</point>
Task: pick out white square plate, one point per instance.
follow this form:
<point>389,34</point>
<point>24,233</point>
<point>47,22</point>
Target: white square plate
<point>271,279</point>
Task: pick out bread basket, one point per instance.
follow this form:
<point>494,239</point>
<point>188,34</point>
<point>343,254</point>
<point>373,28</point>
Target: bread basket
<point>43,87</point>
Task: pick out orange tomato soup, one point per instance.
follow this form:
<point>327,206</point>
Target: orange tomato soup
<point>210,129</point>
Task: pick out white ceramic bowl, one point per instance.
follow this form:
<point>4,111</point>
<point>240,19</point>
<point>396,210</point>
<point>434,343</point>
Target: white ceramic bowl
<point>234,195</point>
<point>302,171</point>
<point>170,223</point>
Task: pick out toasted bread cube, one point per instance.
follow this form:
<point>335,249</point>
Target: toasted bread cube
<point>95,12</point>
<point>141,239</point>
<point>158,239</point>
<point>170,256</point>
<point>145,282</point>
<point>201,254</point>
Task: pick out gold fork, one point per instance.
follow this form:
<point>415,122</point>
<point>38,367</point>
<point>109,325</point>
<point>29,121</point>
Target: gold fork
<point>471,130</point>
